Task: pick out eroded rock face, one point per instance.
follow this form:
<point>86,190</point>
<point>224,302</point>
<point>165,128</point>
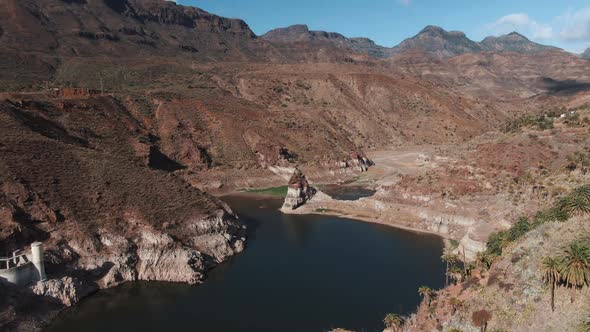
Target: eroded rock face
<point>155,255</point>
<point>160,258</point>
<point>67,290</point>
<point>299,191</point>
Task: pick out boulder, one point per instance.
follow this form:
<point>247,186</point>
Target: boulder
<point>67,290</point>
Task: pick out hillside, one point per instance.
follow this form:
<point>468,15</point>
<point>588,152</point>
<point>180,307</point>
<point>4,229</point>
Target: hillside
<point>37,37</point>
<point>506,286</point>
<point>89,180</point>
<point>114,28</point>
<point>508,76</point>
<point>512,291</point>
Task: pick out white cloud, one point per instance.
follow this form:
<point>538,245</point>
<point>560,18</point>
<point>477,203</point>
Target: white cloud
<point>521,22</point>
<point>576,25</point>
<point>514,19</point>
<point>570,30</point>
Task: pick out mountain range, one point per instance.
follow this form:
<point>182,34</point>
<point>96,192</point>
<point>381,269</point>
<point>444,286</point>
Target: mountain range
<point>153,27</point>
<point>432,39</point>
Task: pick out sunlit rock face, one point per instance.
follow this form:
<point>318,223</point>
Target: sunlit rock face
<point>299,191</point>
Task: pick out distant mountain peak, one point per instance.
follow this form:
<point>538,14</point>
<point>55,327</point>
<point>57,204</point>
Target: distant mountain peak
<point>516,34</point>
<point>296,27</point>
<point>296,33</point>
<point>513,42</point>
<point>586,53</point>
<point>439,42</point>
<point>300,33</point>
<point>433,40</point>
<point>432,29</point>
<point>436,30</point>
<point>457,33</point>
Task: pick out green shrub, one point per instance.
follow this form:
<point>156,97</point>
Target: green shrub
<point>276,191</point>
<point>552,214</point>
<point>496,242</point>
<point>538,122</point>
<point>520,228</point>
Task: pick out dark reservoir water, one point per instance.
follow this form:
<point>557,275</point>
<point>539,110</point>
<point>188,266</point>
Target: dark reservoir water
<point>299,273</point>
<point>347,193</point>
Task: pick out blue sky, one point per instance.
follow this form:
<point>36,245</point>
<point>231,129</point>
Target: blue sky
<point>563,23</point>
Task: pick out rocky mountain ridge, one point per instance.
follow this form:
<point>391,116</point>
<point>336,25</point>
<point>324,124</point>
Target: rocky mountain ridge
<point>439,42</point>
<point>513,42</point>
<point>115,28</point>
<point>432,40</point>
<point>302,34</point>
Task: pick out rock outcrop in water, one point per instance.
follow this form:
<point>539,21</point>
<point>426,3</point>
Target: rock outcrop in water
<point>298,192</point>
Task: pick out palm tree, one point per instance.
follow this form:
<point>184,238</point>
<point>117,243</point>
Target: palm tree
<point>577,202</point>
<point>574,266</point>
<point>575,205</point>
<point>456,274</point>
<point>449,259</point>
<point>426,293</point>
<point>393,321</point>
<point>583,191</point>
<point>485,259</point>
<point>585,326</point>
<point>551,276</point>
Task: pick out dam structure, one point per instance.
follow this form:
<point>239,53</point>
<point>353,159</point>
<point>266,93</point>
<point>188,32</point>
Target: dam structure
<point>23,268</point>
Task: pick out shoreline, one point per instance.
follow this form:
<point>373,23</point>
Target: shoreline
<point>370,220</point>
<point>378,222</point>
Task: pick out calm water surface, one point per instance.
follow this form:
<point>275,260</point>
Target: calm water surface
<point>347,193</point>
<point>299,273</point>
